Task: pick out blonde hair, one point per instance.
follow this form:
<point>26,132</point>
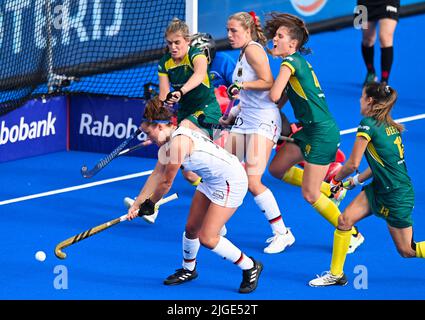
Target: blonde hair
<point>383,100</point>
<point>248,22</point>
<point>177,25</point>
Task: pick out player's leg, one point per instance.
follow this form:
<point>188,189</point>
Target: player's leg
<point>215,218</point>
<point>357,210</point>
<point>368,51</point>
<point>257,156</point>
<point>386,39</point>
<point>190,242</point>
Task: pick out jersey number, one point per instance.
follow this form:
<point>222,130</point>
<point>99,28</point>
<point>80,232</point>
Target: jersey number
<point>400,146</point>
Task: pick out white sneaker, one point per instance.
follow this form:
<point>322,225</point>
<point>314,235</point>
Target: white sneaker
<point>328,279</point>
<point>223,231</point>
<point>339,196</point>
<point>279,242</point>
<point>128,202</point>
<point>355,242</point>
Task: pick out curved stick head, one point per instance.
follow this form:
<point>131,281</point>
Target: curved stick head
<point>59,253</point>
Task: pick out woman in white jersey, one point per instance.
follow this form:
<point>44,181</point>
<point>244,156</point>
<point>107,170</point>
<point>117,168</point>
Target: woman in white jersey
<point>256,128</point>
<point>215,201</point>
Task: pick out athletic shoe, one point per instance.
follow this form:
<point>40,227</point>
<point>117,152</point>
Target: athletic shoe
<point>223,231</point>
<point>128,202</point>
<point>339,196</point>
<point>355,242</point>
<point>279,242</point>
<point>370,78</point>
<point>181,276</point>
<point>250,277</point>
<point>328,279</point>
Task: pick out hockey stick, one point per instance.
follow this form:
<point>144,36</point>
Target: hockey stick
<point>217,126</point>
<point>136,147</point>
<point>105,161</point>
<point>88,233</point>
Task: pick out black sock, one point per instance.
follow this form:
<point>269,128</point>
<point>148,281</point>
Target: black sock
<point>368,54</point>
<point>387,55</point>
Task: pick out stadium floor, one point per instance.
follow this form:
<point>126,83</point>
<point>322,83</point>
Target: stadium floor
<point>130,261</point>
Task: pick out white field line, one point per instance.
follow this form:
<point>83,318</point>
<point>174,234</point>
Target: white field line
<point>144,173</point>
<point>81,186</point>
<point>401,120</point>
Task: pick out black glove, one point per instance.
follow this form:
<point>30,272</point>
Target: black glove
<point>147,208</point>
<point>171,95</point>
<point>233,90</point>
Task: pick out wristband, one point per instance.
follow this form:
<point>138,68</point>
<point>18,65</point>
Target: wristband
<point>356,180</point>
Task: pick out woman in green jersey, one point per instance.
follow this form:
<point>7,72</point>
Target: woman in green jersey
<point>318,141</point>
<point>390,194</point>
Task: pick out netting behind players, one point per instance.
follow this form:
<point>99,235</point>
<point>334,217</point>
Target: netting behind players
<point>86,46</point>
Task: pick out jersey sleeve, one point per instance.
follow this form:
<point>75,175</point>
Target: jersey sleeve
<point>291,63</point>
<point>162,71</point>
<point>365,129</point>
<point>194,53</point>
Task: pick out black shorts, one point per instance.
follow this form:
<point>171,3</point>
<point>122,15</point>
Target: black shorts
<point>380,9</point>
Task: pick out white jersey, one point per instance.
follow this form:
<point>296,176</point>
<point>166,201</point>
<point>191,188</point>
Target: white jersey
<point>224,180</point>
<point>251,98</point>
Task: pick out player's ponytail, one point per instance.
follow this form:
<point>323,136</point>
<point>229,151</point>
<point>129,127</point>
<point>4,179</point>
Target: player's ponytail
<point>384,98</point>
<point>157,112</point>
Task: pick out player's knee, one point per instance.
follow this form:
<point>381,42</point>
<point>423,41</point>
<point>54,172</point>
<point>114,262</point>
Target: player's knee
<point>406,251</point>
<point>208,239</point>
<point>344,222</point>
<point>254,185</point>
<point>309,195</point>
<point>275,171</point>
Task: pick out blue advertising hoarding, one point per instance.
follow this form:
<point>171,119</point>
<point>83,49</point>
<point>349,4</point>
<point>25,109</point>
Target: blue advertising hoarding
<point>100,124</point>
<point>34,129</point>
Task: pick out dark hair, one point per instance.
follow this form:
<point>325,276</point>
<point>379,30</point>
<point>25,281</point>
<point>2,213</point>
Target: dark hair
<point>296,27</point>
<point>248,22</point>
<point>206,43</point>
<point>384,98</point>
<point>156,112</point>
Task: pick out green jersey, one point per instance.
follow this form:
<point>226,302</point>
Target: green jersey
<point>304,91</point>
<point>179,74</point>
<point>385,155</point>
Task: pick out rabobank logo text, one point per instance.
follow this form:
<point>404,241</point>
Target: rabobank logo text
<point>106,128</point>
<point>308,7</point>
<point>27,130</point>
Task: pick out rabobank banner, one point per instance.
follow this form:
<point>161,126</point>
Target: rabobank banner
<point>213,14</point>
<point>34,129</point>
<point>99,124</point>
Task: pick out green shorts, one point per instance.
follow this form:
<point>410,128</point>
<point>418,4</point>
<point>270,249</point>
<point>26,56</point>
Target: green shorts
<point>318,142</point>
<point>212,113</point>
<point>395,206</point>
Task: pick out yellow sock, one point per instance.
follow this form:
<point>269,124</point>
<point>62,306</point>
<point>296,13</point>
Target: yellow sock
<point>420,249</point>
<point>327,209</point>
<point>294,176</point>
<point>339,252</point>
<point>197,182</point>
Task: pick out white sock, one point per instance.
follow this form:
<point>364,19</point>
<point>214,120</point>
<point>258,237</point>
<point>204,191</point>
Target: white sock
<point>190,250</point>
<point>229,251</point>
<point>267,203</point>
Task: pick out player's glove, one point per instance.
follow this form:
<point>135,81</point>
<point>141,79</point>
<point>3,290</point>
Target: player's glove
<point>147,208</point>
<point>335,186</point>
<point>173,96</point>
<point>233,89</point>
<point>354,182</point>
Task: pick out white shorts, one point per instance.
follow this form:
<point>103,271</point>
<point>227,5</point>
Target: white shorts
<point>265,122</point>
<point>226,193</point>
